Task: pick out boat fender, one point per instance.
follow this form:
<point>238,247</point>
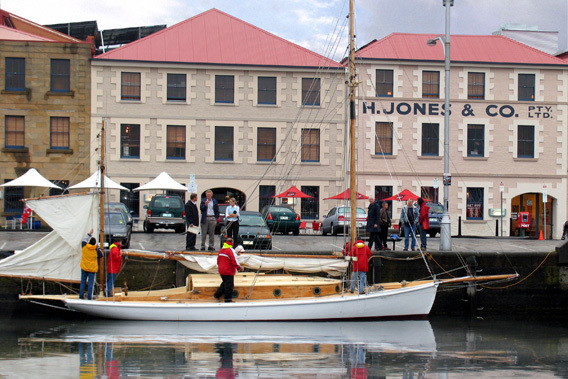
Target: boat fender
<point>403,283</point>
<point>163,298</point>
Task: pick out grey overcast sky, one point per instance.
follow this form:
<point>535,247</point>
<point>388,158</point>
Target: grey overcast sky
<point>318,25</point>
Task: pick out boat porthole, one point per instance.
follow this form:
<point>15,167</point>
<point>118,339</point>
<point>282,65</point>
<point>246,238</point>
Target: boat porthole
<point>317,291</point>
<point>277,292</point>
<point>235,294</point>
<point>337,289</point>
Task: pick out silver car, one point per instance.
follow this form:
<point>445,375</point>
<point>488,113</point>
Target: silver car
<point>338,220</point>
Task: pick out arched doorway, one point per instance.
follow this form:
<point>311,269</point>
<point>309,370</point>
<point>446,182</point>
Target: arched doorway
<point>223,194</point>
<point>532,204</point>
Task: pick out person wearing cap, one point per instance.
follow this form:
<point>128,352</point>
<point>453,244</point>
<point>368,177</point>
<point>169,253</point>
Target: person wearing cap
<point>361,255</point>
<point>228,265</point>
<point>90,253</point>
<point>114,261</point>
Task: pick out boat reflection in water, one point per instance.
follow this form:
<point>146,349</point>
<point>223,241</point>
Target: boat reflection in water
<point>439,348</point>
<point>226,349</point>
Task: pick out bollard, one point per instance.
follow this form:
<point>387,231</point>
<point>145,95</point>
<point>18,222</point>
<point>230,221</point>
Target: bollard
<point>496,228</point>
<point>459,226</point>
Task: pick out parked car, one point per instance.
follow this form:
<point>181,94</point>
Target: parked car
<point>338,220</point>
<point>166,212</point>
<point>253,232</point>
<point>280,218</point>
<point>120,207</point>
<point>435,215</point>
<point>221,218</point>
<point>117,228</point>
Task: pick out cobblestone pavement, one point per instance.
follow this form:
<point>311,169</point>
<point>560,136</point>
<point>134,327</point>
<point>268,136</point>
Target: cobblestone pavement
<point>170,241</point>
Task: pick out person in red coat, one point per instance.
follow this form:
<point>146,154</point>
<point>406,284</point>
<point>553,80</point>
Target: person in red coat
<point>362,253</point>
<point>423,222</point>
<point>228,265</point>
<point>114,262</point>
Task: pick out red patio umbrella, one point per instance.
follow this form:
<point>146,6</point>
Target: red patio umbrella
<point>346,195</point>
<point>294,192</point>
<point>402,196</point>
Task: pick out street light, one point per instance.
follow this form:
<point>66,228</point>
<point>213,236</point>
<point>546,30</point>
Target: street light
<point>446,227</point>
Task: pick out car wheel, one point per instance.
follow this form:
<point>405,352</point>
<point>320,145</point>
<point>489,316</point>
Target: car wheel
<point>149,228</point>
<point>323,232</point>
<point>334,231</point>
<point>432,234</point>
<point>127,243</point>
<point>296,232</point>
<point>179,229</point>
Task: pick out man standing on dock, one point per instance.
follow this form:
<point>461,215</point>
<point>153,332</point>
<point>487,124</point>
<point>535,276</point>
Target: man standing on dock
<point>228,265</point>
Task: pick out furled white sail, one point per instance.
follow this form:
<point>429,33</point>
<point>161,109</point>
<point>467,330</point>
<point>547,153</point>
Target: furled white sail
<point>333,267</point>
<point>57,256</point>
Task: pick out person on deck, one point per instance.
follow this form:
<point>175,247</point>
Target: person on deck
<point>409,219</point>
<point>191,219</point>
<point>90,253</point>
<point>228,265</point>
<point>209,213</point>
<point>361,255</point>
<point>423,222</point>
<point>373,224</point>
<point>114,261</point>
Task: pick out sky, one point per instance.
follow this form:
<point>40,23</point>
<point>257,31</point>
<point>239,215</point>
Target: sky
<point>318,25</point>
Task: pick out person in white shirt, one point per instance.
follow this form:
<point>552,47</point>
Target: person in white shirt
<point>232,214</point>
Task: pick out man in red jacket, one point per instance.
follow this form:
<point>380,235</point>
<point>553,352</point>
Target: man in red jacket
<point>228,265</point>
<point>361,254</point>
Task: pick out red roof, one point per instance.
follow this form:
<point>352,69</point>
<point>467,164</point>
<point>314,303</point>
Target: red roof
<point>34,32</point>
<point>463,48</point>
<point>216,37</point>
<point>11,34</point>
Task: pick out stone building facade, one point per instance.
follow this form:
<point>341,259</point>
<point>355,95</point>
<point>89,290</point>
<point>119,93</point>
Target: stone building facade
<point>507,134</point>
<point>45,109</point>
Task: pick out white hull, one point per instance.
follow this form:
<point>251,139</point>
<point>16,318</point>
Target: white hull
<point>407,302</point>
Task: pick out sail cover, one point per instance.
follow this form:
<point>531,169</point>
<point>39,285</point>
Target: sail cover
<point>57,256</point>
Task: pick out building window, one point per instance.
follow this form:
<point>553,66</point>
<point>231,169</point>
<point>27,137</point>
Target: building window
<point>224,143</point>
<point>475,140</point>
<point>311,91</point>
<point>176,87</point>
<point>59,133</point>
<point>131,198</point>
<point>12,196</point>
<point>310,145</point>
<point>175,148</point>
<point>430,138</point>
<point>59,191</point>
<point>431,84</point>
<point>309,208</point>
<point>15,131</point>
<point>15,74</point>
<point>525,141</point>
<point>474,205</point>
<point>383,138</point>
<point>266,90</point>
<point>60,75</point>
<point>384,83</point>
<point>526,87</point>
<point>476,85</point>
<point>130,141</point>
<point>130,86</point>
<point>266,196</point>
<point>266,144</point>
<point>429,194</point>
<point>224,89</point>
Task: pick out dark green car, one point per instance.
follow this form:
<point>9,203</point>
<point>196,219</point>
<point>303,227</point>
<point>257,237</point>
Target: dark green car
<point>280,218</point>
<point>165,212</point>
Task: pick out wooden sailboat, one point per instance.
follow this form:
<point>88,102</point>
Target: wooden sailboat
<point>267,297</point>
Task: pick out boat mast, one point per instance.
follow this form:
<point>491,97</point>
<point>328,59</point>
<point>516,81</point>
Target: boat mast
<point>352,114</point>
<point>102,207</point>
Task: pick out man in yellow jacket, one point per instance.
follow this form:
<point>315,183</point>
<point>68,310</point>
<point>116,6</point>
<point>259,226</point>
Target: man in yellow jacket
<point>89,264</point>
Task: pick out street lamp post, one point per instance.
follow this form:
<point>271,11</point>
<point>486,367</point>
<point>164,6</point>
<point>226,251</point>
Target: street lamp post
<point>446,227</point>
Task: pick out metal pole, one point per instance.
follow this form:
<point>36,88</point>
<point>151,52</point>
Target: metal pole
<point>446,228</point>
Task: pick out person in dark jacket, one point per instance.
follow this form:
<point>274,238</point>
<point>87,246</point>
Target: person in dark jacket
<point>191,219</point>
<point>373,224</point>
<point>385,223</point>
